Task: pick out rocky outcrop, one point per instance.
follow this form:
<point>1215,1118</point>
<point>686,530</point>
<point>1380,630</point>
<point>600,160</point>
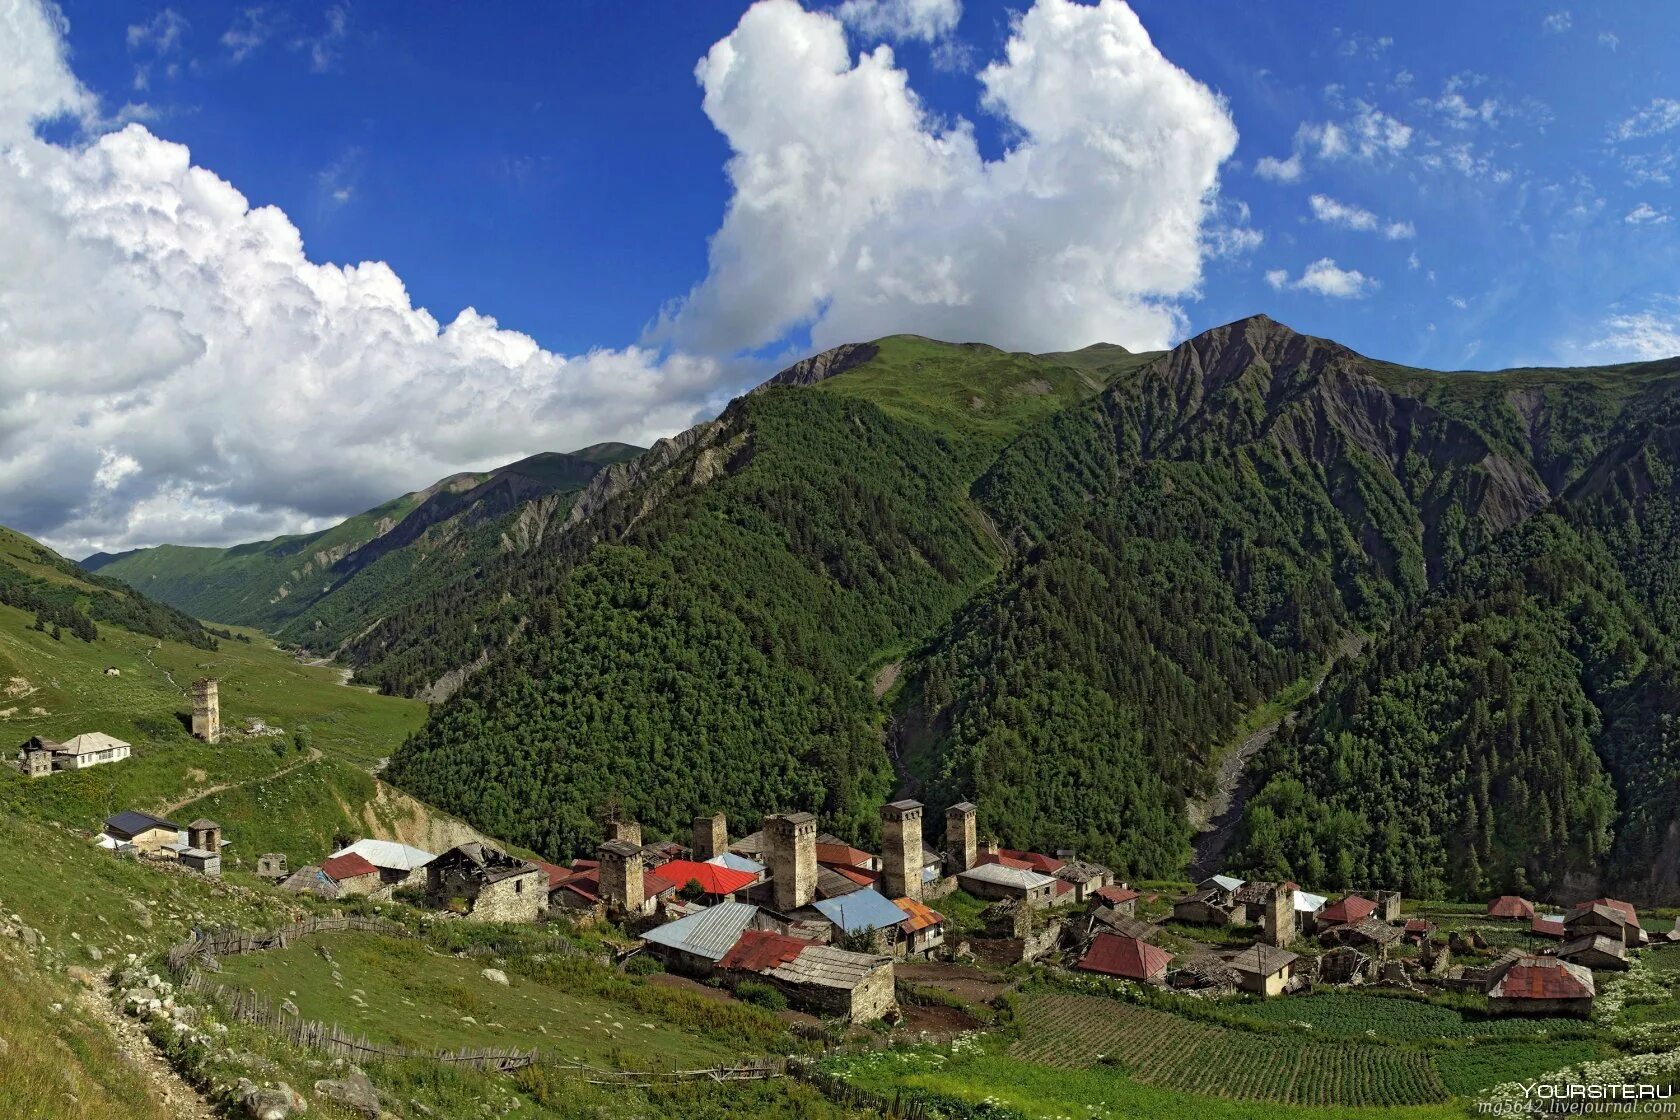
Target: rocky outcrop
<point>820,367</point>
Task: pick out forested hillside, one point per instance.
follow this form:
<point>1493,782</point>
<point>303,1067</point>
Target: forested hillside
<point>1517,732</point>
<point>317,590</point>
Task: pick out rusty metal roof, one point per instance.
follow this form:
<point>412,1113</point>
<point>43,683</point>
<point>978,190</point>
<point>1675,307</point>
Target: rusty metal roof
<point>1114,955</point>
<point>1543,978</point>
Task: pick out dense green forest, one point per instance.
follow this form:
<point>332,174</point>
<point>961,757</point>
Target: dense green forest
<point>1518,730</point>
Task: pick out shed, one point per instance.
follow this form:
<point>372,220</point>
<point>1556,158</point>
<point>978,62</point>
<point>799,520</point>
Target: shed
<point>353,874</point>
<point>1597,952</point>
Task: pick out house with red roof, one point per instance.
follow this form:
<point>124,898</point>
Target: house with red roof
<point>1534,985</point>
<point>1348,911</point>
<point>716,882</point>
<point>352,874</point>
<point>1543,926</point>
<point>818,978</point>
<point>1511,907</point>
<point>923,931</point>
<point>1128,958</point>
<point>1118,897</point>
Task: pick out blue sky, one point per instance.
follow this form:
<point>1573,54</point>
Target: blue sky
<point>496,229</point>
<point>551,164</point>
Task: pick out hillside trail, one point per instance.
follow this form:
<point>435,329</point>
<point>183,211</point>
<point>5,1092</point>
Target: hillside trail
<point>1216,816</point>
<point>179,1098</point>
<point>167,675</point>
<point>314,755</point>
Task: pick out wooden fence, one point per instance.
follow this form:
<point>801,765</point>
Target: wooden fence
<point>206,945</point>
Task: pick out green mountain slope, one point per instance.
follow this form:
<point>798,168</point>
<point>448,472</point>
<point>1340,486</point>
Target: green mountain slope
<point>317,589</point>
<point>1516,733</point>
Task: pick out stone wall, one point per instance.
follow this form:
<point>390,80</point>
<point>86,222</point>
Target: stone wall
<point>518,898</point>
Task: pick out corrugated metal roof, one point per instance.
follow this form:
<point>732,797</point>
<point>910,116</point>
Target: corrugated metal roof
<point>737,863</point>
<point>1307,903</point>
<point>922,916</point>
<point>1117,894</point>
<point>1544,978</point>
<point>711,933</point>
<point>351,866</point>
<point>1350,909</point>
<point>1225,882</point>
<point>1018,877</point>
<point>713,878</point>
<point>843,854</point>
<point>90,742</point>
<point>389,854</point>
<point>759,950</point>
<point>1510,906</point>
<point>861,911</point>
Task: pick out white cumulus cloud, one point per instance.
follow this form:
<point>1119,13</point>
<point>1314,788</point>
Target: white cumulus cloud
<point>928,20</point>
<point>856,213</point>
<point>175,367</point>
<point>1331,212</point>
<point>1323,277</point>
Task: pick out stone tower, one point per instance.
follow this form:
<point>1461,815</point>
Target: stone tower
<point>711,837</point>
<point>793,859</point>
<point>1277,919</point>
<point>621,876</point>
<point>962,845</point>
<point>628,831</point>
<point>901,849</point>
<point>207,710</point>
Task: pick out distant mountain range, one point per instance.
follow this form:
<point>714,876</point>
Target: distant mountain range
<point>316,590</point>
<point>1062,585</point>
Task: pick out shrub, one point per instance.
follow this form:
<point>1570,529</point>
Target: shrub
<point>761,995</point>
<point>643,963</point>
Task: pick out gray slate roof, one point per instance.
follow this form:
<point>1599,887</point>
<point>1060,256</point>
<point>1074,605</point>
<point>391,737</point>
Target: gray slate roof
<point>828,967</point>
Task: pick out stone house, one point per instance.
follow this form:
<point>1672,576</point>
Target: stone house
<point>272,865</point>
<point>1084,879</point>
<point>820,979</point>
<point>491,885</point>
<point>1346,911</point>
<point>143,831</point>
<point>353,874</point>
<point>1118,897</point>
<point>1206,907</point>
<point>35,757</point>
<point>1264,969</point>
<point>1371,934</point>
<point>1533,985</point>
<point>998,881</point>
<point>693,945</point>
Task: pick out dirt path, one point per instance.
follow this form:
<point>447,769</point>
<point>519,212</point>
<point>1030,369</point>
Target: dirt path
<point>1216,817</point>
<point>221,787</point>
<point>167,675</point>
<point>179,1098</point>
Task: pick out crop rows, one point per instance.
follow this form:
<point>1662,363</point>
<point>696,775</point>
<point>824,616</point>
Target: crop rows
<point>1157,1048</point>
<point>1350,1013</point>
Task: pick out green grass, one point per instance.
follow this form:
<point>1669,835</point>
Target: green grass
<point>1470,1070</point>
<point>406,992</point>
<point>977,394</point>
<point>68,693</point>
<point>59,1063</point>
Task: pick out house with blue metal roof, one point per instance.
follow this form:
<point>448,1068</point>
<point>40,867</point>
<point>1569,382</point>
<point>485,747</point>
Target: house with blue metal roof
<point>861,911</point>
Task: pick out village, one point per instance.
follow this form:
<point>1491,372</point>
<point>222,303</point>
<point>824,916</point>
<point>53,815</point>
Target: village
<point>880,948</point>
<point>825,922</point>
